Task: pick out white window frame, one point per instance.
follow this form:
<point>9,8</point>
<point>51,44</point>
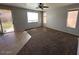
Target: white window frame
<point>72,19</point>
<point>44,17</point>
<point>30,17</point>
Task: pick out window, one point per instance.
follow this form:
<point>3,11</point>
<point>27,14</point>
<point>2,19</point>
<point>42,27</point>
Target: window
<point>72,19</point>
<point>45,17</point>
<point>32,17</point>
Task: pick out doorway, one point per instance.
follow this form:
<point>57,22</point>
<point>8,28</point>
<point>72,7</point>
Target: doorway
<point>6,22</point>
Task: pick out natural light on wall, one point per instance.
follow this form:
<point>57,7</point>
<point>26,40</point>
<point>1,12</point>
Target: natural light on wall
<point>72,19</point>
<point>32,17</point>
<point>45,17</point>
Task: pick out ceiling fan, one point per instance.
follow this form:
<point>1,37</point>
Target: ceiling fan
<point>42,6</point>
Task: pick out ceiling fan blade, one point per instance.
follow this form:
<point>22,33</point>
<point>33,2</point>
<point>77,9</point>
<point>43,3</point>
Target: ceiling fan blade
<point>41,6</point>
<point>45,7</point>
<point>37,7</point>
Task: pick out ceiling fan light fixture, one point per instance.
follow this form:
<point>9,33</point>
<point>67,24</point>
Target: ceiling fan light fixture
<point>41,6</point>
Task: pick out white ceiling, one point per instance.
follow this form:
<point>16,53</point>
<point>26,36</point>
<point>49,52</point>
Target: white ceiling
<point>55,5</point>
<point>34,5</point>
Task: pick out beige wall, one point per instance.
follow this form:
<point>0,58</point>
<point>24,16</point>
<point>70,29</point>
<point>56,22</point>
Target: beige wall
<point>57,19</point>
<point>19,16</point>
<point>20,19</point>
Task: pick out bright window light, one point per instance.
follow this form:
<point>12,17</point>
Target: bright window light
<point>72,19</point>
<point>32,17</point>
<point>45,17</point>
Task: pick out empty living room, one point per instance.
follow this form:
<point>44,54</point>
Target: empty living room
<point>39,28</point>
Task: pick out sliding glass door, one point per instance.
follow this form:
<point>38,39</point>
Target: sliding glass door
<point>6,23</point>
<point>1,29</point>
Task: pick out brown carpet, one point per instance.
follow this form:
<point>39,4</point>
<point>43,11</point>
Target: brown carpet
<point>46,41</point>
